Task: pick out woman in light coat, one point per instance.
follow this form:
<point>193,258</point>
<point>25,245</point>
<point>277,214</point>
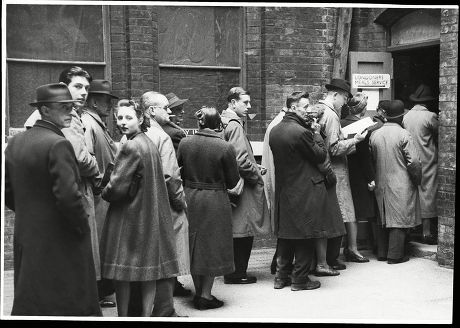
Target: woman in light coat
<point>137,240</point>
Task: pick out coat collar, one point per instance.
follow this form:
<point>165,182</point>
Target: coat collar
<point>330,105</point>
<point>419,107</point>
<point>48,125</point>
<point>290,116</point>
<point>208,133</point>
<point>96,117</point>
<point>231,115</point>
<point>134,135</point>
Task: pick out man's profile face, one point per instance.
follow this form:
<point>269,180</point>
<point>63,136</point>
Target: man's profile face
<point>104,105</point>
<point>59,114</point>
<point>161,113</point>
<point>242,105</point>
<point>340,99</point>
<point>177,114</point>
<point>78,88</point>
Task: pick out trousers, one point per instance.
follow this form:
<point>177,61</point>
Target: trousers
<point>301,250</point>
<point>241,252</point>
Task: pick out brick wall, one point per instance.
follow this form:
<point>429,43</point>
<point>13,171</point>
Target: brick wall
<point>365,35</point>
<point>447,135</point>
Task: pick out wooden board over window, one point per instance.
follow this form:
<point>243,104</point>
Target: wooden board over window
<point>200,36</point>
<point>416,27</point>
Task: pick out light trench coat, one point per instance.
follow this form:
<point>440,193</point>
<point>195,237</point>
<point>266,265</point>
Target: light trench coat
<point>268,163</point>
<point>398,170</point>
<point>176,193</point>
<point>423,126</point>
<point>251,214</point>
<point>338,148</point>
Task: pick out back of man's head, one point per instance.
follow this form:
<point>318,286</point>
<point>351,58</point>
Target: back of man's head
<point>153,98</point>
<point>67,74</point>
<point>295,97</point>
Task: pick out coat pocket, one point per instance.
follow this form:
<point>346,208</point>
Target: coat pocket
<point>317,180</point>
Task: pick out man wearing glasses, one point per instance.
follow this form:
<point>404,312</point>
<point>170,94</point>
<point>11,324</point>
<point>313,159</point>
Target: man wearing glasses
<point>338,93</point>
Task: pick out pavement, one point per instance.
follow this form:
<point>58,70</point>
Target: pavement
<point>418,291</point>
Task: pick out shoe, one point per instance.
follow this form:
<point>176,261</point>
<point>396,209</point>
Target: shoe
<point>381,258</point>
<point>105,303</point>
<point>242,281</point>
<point>309,285</point>
<point>429,240</point>
<point>338,266</point>
<point>281,282</point>
<point>400,260</point>
<point>322,271</point>
<point>205,304</point>
<point>179,290</point>
<point>353,257</point>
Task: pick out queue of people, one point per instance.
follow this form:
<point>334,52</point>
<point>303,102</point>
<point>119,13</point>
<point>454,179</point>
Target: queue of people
<point>95,219</point>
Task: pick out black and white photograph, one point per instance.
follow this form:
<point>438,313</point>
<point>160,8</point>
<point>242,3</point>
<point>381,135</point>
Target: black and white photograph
<point>220,162</point>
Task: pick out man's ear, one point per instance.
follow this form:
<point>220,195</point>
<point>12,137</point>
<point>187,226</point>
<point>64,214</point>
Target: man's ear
<point>44,110</point>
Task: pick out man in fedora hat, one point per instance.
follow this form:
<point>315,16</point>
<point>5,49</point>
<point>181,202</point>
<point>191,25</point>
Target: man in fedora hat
<point>338,93</point>
<point>54,271</point>
<point>423,125</point>
<point>398,173</point>
<point>100,143</point>
<point>172,126</point>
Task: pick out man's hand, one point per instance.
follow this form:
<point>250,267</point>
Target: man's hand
<point>360,136</point>
<point>315,126</point>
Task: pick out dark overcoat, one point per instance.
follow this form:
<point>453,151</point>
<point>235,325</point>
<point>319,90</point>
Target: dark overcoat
<point>175,132</point>
<point>53,265</point>
<point>137,241</point>
<point>301,198</point>
<point>208,165</point>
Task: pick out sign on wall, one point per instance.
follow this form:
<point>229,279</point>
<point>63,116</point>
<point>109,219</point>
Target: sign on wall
<point>370,81</point>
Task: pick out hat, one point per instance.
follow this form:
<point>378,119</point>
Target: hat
<point>52,93</point>
<point>101,87</point>
<point>339,84</point>
<point>395,109</point>
<point>421,94</point>
<point>174,100</point>
<point>384,105</point>
<point>358,103</point>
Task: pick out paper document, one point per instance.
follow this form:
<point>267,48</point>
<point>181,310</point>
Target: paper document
<point>357,127</point>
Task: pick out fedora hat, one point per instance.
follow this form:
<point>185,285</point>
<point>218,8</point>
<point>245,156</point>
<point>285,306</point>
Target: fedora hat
<point>395,109</point>
<point>421,94</point>
<point>52,93</point>
<point>339,84</point>
<point>174,100</point>
<point>101,87</point>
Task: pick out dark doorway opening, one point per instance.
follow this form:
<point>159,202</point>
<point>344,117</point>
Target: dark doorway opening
<point>413,67</point>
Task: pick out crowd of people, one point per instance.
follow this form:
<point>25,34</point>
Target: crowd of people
<point>96,218</point>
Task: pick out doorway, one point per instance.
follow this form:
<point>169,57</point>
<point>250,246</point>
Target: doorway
<point>413,67</point>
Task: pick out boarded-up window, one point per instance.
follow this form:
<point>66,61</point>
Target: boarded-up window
<point>200,55</point>
<point>41,41</point>
<point>418,26</point>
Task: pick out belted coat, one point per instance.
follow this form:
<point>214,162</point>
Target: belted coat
<point>423,126</point>
<point>250,216</point>
<point>53,265</point>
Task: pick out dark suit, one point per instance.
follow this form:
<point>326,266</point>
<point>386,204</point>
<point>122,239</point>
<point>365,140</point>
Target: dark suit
<point>174,132</point>
<point>53,265</point>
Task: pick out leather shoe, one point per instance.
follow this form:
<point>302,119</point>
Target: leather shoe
<point>309,285</point>
<point>205,304</point>
<point>242,281</point>
<point>400,260</point>
<point>381,258</point>
<point>281,282</point>
<point>179,290</point>
<point>322,271</point>
<point>353,257</point>
<point>107,303</point>
<point>338,266</point>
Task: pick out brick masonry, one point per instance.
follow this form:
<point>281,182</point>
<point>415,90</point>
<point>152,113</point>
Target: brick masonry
<point>448,71</point>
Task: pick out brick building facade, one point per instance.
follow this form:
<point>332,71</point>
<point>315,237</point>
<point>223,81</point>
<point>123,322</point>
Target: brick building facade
<point>281,50</point>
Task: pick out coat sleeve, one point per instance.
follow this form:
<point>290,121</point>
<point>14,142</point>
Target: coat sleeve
<point>9,192</point>
<point>172,175</point>
<point>234,134</point>
<point>86,161</point>
<point>125,166</point>
<point>312,147</point>
<point>433,126</point>
<point>335,145</point>
<point>65,186</point>
<point>411,156</point>
<point>230,167</point>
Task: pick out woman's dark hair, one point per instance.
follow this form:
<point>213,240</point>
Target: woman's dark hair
<point>140,112</point>
<point>67,74</point>
<point>208,117</point>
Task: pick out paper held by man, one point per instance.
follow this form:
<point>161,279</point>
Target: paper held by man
<point>357,127</point>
